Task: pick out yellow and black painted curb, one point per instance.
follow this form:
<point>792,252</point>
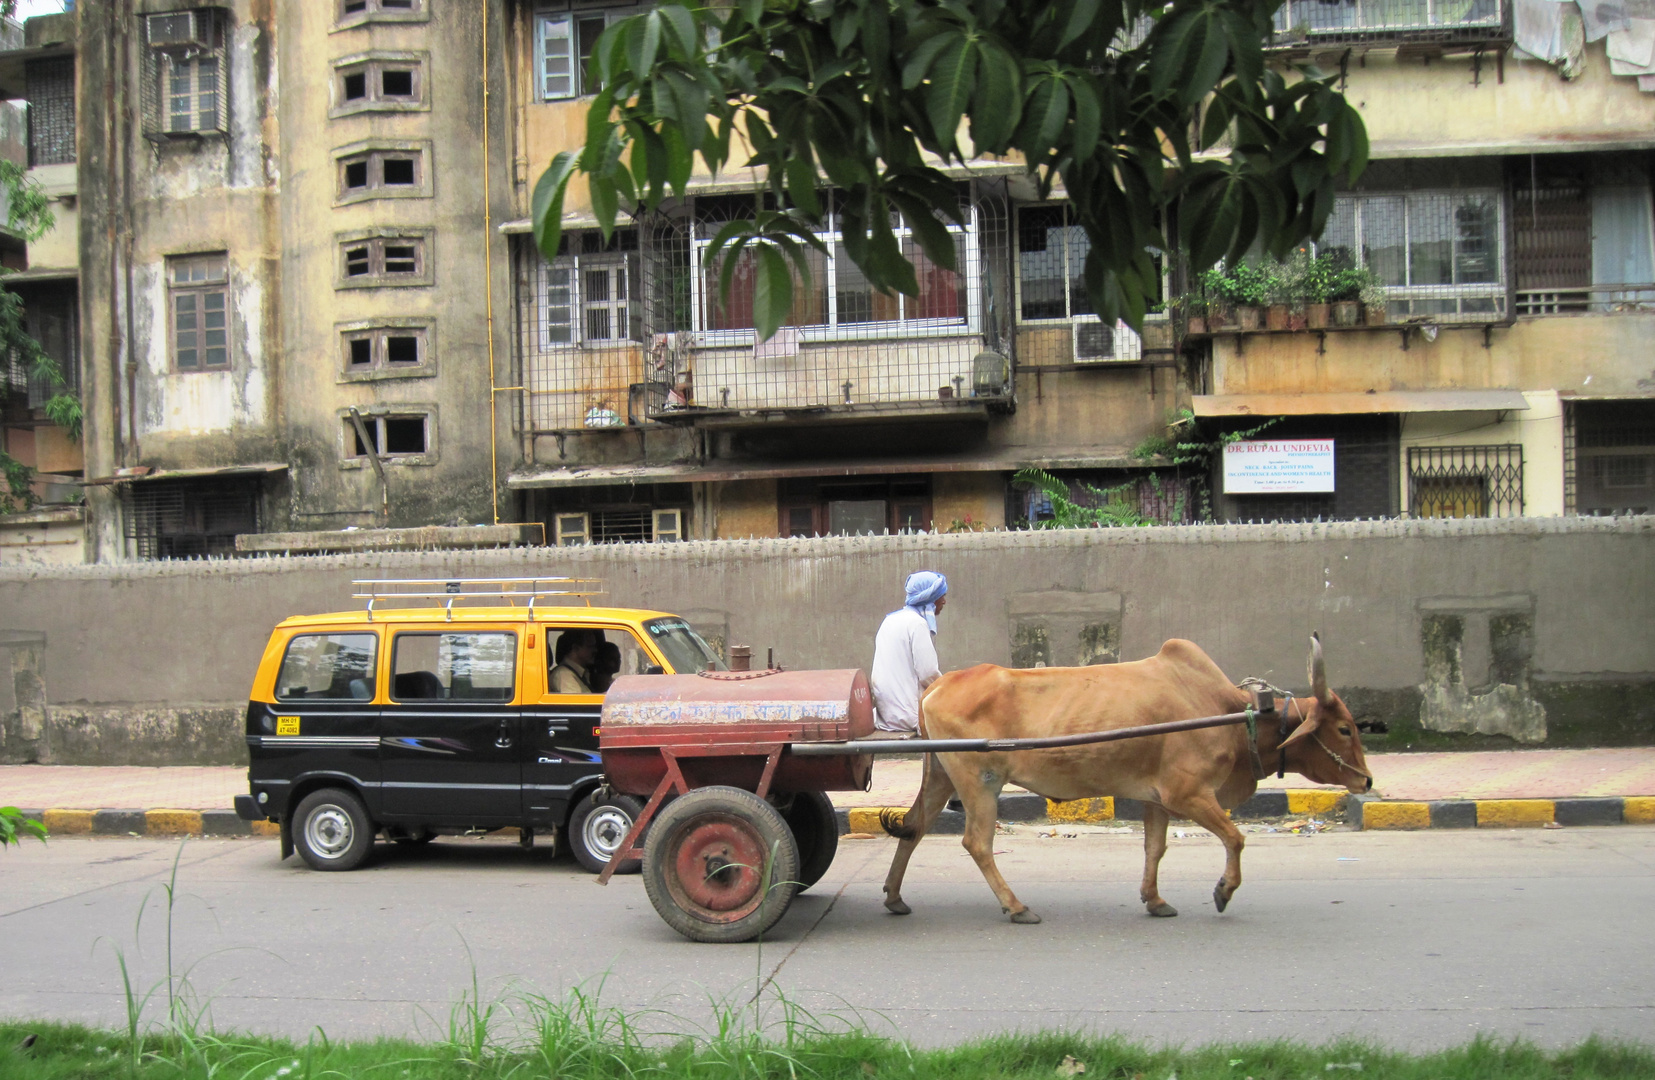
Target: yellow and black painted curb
<point>1363,811</point>
<point>157,822</point>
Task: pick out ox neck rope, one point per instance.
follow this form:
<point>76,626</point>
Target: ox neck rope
<point>1253,682</point>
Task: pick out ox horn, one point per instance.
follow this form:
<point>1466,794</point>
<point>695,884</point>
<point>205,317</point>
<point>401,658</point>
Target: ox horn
<point>1318,668</point>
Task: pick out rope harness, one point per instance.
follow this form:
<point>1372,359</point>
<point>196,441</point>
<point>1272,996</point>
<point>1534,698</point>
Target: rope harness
<point>1253,682</point>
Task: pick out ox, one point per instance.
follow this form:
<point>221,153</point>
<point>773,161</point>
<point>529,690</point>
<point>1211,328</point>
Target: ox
<point>1191,774</point>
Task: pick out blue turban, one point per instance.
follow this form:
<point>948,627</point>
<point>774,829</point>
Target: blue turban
<point>924,588</point>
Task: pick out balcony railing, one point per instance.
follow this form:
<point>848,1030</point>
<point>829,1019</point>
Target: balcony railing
<point>1596,298</point>
<point>1360,20</point>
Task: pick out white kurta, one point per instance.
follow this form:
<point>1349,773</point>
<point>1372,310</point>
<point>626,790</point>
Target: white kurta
<point>904,664</point>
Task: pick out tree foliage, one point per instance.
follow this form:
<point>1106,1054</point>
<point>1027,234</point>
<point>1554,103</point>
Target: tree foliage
<point>1187,125</point>
<point>29,215</point>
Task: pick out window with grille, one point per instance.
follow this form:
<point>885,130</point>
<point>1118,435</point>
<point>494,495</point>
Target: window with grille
<point>186,80</point>
<point>837,301</point>
<point>374,261</point>
<point>386,171</point>
<point>1438,253</point>
<point>182,519</point>
<point>356,12</point>
<point>51,316</point>
<point>1366,464</point>
<point>563,44</point>
<point>1465,481</point>
<point>855,507</point>
<point>199,298</point>
<point>379,82</point>
<point>1363,19</point>
<point>590,297</point>
<point>1613,457</point>
<point>377,352</point>
<point>390,435</point>
<point>51,86</point>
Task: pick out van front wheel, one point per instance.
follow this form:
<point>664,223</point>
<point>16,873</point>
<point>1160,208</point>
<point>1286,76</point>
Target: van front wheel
<point>332,831</point>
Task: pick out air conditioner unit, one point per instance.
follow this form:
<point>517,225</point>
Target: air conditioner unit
<point>186,31</point>
<point>1100,343</point>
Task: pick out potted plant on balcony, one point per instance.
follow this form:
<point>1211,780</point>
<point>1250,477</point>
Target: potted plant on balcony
<point>1373,302</point>
<point>1315,283</point>
<point>1218,290</point>
<point>1345,292</point>
<point>1251,287</point>
<point>1192,309</point>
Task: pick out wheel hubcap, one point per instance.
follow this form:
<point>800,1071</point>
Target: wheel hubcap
<point>718,869</point>
<point>328,831</point>
<point>604,830</point>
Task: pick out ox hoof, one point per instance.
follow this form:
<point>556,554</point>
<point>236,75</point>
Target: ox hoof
<point>897,907</point>
<point>1026,917</point>
<point>1162,910</point>
<point>1220,898</point>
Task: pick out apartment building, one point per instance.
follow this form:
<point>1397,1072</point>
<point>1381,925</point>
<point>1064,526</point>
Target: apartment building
<point>292,268</point>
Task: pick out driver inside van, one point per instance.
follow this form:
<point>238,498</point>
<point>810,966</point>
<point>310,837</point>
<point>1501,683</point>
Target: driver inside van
<point>572,668</point>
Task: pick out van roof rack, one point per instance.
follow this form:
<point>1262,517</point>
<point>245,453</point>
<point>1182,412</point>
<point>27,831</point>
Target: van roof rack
<point>485,590</point>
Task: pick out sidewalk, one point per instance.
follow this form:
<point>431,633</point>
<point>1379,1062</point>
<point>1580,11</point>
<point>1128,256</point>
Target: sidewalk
<point>1597,786</point>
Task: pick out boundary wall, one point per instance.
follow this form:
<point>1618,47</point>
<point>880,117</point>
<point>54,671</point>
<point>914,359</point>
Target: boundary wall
<point>1468,633</point>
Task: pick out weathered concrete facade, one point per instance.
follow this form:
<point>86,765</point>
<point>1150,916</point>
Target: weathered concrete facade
<point>1444,633</point>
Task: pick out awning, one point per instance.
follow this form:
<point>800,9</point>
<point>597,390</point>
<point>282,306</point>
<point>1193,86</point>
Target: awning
<point>48,273</point>
<point>145,472</point>
<point>1007,460</point>
<point>1381,401</point>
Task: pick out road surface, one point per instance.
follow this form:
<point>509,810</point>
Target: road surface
<point>1418,940</point>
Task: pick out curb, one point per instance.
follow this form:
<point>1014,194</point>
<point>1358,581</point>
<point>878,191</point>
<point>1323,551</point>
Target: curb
<point>1365,811</point>
<point>158,822</point>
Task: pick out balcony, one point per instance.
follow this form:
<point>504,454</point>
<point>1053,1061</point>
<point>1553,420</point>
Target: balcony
<point>1595,299</point>
<point>1299,23</point>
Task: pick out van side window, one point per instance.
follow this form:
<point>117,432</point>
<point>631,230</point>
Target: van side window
<point>454,666</point>
<point>571,670</point>
<point>328,667</point>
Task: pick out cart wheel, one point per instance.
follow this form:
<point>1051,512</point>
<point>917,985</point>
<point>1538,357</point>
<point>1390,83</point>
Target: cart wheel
<point>704,865</point>
<point>816,831</point>
<point>598,826</point>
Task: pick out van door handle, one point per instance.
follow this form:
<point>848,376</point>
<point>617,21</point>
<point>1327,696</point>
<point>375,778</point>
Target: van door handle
<point>502,738</point>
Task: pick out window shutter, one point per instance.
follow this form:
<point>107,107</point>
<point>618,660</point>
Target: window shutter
<point>572,529</point>
<point>668,526</point>
<point>557,57</point>
<point>560,303</point>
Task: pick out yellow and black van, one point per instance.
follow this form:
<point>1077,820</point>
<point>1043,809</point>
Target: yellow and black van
<point>475,710</point>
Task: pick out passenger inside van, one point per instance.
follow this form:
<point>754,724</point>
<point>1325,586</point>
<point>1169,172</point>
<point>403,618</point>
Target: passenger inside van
<point>572,661</point>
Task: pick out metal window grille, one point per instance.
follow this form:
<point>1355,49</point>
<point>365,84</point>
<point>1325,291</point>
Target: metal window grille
<point>1366,461</point>
<point>51,315</point>
<point>1438,253</point>
<point>51,91</point>
<point>593,357</point>
<point>1055,315</point>
<point>1613,457</point>
<point>1465,481</point>
<point>182,519</point>
<point>1571,473</point>
<point>1358,20</point>
<point>186,69</point>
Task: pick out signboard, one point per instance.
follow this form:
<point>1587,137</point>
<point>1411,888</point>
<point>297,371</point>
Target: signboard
<point>1269,466</point>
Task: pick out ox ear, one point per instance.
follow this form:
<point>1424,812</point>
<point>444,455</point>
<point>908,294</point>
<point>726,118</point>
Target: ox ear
<point>1305,729</point>
<point>1318,669</point>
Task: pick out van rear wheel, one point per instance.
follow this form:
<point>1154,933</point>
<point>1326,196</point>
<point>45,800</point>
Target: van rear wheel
<point>332,830</point>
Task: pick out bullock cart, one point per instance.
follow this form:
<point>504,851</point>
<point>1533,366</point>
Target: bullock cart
<point>735,766</point>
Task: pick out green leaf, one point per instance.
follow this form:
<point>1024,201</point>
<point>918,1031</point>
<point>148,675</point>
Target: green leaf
<point>1170,50</point>
<point>680,159</point>
<point>1044,114</point>
<point>801,184</point>
<point>997,104</point>
<point>1081,16</point>
<point>599,129</point>
<point>913,72</point>
<point>547,205</point>
<point>952,80</point>
<point>772,292</point>
<point>933,236</point>
<point>1209,63</point>
<point>605,201</point>
<point>643,41</point>
<point>680,25</point>
<point>752,11</point>
<point>1088,118</point>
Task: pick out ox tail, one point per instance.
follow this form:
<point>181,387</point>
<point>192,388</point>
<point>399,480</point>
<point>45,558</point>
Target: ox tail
<point>892,821</point>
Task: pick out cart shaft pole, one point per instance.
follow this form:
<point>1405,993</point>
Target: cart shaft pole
<point>954,746</point>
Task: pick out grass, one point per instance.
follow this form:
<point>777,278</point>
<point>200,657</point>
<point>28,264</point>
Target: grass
<point>577,1039</point>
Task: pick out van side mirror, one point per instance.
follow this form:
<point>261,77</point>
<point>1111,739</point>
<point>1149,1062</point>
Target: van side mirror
<point>654,669</point>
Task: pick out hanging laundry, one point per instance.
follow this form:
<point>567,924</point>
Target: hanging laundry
<point>1604,16</point>
<point>1632,51</point>
<point>1551,31</point>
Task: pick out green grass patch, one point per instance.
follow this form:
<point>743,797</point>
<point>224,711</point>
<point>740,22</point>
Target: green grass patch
<point>577,1040</point>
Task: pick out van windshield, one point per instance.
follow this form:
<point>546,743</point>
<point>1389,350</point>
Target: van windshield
<point>682,646</point>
